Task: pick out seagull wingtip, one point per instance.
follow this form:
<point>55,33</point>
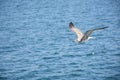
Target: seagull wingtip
<point>106,27</point>
<point>71,25</point>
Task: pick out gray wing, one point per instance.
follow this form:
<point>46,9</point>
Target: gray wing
<point>76,30</point>
<point>88,33</point>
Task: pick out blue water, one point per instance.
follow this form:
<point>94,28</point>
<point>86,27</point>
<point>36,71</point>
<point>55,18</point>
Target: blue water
<point>37,44</point>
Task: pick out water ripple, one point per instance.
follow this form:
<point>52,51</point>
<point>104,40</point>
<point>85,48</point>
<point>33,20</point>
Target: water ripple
<point>37,44</point>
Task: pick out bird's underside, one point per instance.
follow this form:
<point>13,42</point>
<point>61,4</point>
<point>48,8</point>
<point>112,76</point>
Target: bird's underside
<point>82,37</point>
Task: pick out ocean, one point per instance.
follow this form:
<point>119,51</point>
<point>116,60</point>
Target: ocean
<point>37,44</point>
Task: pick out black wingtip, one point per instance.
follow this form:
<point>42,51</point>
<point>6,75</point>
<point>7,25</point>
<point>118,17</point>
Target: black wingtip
<point>105,27</point>
<point>71,25</point>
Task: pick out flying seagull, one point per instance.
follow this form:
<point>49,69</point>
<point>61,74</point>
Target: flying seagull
<point>82,37</point>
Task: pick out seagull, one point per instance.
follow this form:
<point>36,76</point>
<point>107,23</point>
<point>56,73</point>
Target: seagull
<point>82,37</point>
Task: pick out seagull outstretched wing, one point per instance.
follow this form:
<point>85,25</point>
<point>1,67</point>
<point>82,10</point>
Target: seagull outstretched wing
<point>88,33</point>
<point>76,30</point>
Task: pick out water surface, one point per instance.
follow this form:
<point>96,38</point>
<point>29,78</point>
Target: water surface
<point>36,43</point>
